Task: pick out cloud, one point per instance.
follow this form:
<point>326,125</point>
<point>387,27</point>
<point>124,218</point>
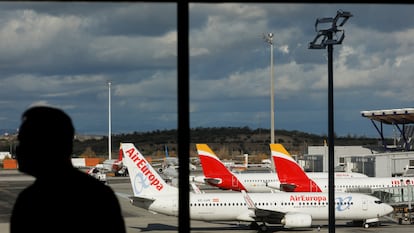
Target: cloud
<point>64,54</point>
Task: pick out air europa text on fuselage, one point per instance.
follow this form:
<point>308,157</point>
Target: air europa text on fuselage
<point>402,182</point>
<point>142,165</point>
<point>307,198</point>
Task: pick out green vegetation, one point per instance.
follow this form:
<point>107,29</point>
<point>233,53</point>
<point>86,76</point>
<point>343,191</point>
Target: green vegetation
<point>227,142</point>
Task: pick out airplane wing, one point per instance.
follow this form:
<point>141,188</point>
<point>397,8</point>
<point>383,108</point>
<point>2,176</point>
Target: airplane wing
<point>195,188</point>
<point>270,216</point>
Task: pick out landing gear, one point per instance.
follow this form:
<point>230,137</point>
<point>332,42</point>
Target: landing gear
<point>261,228</point>
<point>369,224</point>
<point>254,226</point>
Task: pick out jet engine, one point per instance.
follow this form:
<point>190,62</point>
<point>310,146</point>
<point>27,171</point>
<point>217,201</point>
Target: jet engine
<point>293,220</point>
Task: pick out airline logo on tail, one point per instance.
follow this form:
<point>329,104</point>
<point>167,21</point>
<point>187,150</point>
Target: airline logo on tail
<point>215,172</point>
<point>147,178</point>
<point>286,166</point>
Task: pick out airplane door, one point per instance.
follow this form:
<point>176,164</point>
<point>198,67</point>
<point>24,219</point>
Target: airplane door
<point>234,181</point>
<point>364,204</point>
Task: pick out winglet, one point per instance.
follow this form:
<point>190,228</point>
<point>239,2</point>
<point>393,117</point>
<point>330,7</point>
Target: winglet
<point>166,151</point>
<point>195,188</point>
<point>248,200</point>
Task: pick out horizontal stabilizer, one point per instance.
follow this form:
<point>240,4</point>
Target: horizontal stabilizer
<point>213,181</point>
<point>287,187</point>
<point>141,202</point>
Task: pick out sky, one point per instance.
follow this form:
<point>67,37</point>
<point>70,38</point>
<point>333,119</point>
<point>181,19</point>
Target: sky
<point>64,54</point>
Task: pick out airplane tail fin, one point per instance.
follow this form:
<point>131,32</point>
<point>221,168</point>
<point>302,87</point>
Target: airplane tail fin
<point>145,181</point>
<point>215,172</point>
<point>246,160</point>
<point>212,166</point>
<point>166,151</point>
<point>291,175</point>
<point>120,154</point>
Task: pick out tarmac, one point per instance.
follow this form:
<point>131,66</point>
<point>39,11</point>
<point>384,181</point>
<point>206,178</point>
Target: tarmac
<point>140,220</point>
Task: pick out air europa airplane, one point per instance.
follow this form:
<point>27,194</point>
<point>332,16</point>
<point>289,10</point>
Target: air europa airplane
<point>292,210</point>
<point>292,178</point>
<point>216,174</point>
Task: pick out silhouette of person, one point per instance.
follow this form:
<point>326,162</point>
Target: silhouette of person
<point>61,195</point>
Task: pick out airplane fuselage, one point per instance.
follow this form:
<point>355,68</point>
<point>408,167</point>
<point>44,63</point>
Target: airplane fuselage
<point>259,182</point>
<point>368,183</point>
<point>292,210</point>
<point>232,206</point>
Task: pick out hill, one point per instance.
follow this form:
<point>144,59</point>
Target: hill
<point>227,142</point>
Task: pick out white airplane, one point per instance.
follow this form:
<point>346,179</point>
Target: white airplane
<point>292,178</point>
<point>168,166</point>
<point>292,210</point>
<point>218,175</point>
<point>108,166</point>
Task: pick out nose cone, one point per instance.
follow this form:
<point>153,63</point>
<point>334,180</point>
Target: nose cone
<point>387,209</point>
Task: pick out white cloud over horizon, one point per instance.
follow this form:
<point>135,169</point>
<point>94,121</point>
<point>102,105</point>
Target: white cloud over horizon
<point>64,56</point>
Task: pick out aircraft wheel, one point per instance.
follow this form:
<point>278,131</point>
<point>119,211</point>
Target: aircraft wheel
<point>263,228</point>
<point>254,225</point>
<point>366,225</point>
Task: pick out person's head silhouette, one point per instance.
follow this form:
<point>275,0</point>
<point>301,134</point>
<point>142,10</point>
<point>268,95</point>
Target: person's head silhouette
<point>45,141</point>
<point>46,137</point>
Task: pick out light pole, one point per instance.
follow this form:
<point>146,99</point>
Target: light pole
<point>269,39</point>
<point>109,121</point>
<point>324,39</point>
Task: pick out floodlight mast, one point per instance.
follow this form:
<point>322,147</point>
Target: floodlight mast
<point>323,39</point>
<point>269,39</point>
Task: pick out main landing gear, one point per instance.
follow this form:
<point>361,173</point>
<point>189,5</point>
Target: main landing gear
<point>261,228</point>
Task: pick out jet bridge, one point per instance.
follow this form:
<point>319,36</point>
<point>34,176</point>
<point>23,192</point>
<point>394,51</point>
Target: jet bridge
<point>402,199</point>
<point>402,119</point>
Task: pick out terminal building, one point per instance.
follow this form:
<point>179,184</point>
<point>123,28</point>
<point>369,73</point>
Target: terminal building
<point>396,160</point>
<point>386,161</point>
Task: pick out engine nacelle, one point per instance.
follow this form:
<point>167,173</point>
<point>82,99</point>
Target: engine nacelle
<point>293,220</point>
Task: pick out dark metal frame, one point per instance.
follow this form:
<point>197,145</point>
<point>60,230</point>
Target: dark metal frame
<point>323,39</point>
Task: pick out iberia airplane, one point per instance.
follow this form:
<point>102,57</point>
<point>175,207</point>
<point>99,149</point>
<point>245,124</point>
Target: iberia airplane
<point>292,210</point>
<point>218,175</point>
<point>293,179</point>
